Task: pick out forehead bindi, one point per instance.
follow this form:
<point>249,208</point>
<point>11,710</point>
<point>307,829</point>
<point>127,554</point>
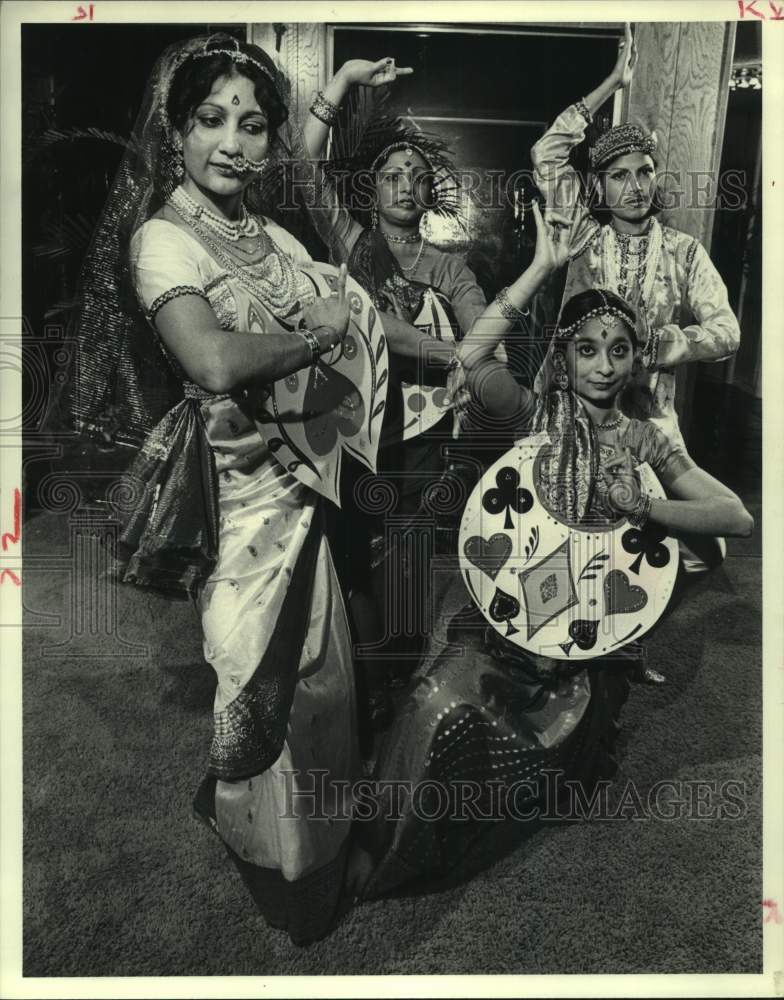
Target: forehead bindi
<point>613,331</point>
<point>235,92</point>
<point>403,159</point>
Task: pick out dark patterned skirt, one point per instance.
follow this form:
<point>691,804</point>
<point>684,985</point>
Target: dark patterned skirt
<point>485,739</point>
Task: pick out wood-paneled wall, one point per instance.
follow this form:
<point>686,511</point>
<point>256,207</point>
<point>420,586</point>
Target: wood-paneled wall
<point>302,56</point>
<point>680,89</point>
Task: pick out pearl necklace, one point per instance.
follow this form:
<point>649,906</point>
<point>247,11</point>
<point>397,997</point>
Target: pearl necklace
<point>274,279</point>
<point>247,227</point>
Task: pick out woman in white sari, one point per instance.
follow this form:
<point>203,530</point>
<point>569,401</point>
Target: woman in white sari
<point>281,369</point>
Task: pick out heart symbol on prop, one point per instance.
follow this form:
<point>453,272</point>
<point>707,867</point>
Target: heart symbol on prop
<point>333,405</point>
<point>584,633</point>
<point>621,597</point>
<point>488,554</point>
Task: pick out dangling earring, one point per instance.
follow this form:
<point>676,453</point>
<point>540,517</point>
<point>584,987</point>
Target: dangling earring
<point>179,159</point>
<point>560,377</point>
<point>374,217</point>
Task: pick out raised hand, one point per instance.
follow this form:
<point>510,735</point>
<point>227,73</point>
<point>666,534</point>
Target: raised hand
<point>627,59</point>
<point>552,242</point>
<point>328,317</point>
<point>372,74</point>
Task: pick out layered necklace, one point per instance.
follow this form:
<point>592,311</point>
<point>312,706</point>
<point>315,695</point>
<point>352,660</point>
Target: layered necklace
<point>631,262</point>
<point>272,277</point>
<point>246,227</point>
<point>413,238</point>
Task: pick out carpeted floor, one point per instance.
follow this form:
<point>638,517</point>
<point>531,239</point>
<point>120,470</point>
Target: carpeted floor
<point>119,879</point>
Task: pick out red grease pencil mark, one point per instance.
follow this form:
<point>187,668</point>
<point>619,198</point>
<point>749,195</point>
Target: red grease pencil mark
<point>14,536</point>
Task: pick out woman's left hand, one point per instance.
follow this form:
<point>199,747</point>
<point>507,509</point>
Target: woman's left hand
<point>456,385</point>
<point>624,491</point>
<point>372,74</point>
<point>552,243</point>
<point>331,314</point>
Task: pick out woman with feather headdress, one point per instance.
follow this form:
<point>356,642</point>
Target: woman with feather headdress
<point>386,179</point>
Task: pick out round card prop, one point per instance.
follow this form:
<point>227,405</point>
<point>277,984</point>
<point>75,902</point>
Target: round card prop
<point>553,589</point>
<point>310,417</point>
<point>424,405</point>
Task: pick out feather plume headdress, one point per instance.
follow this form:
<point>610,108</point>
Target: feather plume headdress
<point>366,134</point>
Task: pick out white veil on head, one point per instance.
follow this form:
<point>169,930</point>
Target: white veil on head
<point>122,380</point>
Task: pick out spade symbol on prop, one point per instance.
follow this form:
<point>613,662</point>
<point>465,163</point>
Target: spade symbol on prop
<point>488,554</point>
<point>332,405</point>
<point>507,494</point>
<point>584,633</point>
<point>646,543</point>
<point>503,608</point>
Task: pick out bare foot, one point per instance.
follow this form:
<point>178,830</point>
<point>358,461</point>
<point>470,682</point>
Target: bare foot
<point>647,675</point>
<point>358,871</point>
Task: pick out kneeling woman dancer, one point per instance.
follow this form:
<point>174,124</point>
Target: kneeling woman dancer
<point>491,714</point>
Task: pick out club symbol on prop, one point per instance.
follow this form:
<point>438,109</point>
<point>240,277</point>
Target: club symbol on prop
<point>508,495</point>
<point>583,633</point>
<point>646,543</point>
<point>503,608</point>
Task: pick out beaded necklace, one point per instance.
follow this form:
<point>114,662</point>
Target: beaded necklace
<point>616,250</point>
<point>273,279</point>
<point>391,238</point>
<point>247,225</point>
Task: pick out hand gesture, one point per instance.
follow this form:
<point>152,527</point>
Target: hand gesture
<point>624,491</point>
<point>458,395</point>
<point>552,242</point>
<point>372,74</point>
<point>627,59</point>
<point>328,317</point>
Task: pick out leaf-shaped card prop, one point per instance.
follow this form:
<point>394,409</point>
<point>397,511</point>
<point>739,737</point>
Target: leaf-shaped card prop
<point>312,416</point>
<point>425,405</point>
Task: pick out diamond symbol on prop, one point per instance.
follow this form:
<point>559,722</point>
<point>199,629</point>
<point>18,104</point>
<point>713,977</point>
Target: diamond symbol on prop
<point>548,588</point>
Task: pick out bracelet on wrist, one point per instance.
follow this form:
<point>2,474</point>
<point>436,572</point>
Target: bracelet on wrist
<point>331,335</point>
<point>584,110</point>
<point>454,363</point>
<point>506,307</point>
<point>638,517</point>
<point>324,109</point>
<point>312,341</point>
